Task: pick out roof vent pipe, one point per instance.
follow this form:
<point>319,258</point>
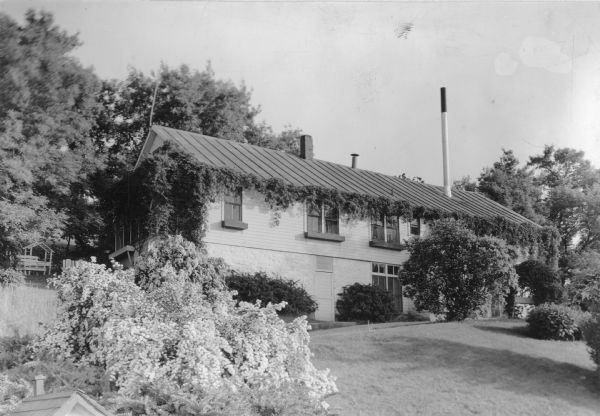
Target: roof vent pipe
<point>354,160</point>
<point>445,152</point>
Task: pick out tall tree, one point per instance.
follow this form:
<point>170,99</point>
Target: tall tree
<point>508,184</point>
<point>180,98</point>
<point>572,201</point>
<point>47,108</point>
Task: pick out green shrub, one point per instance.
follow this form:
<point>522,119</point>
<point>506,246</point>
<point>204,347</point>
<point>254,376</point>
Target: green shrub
<point>454,272</point>
<point>14,351</point>
<point>591,334</point>
<point>360,302</point>
<point>259,286</point>
<point>559,322</point>
<point>11,277</point>
<point>544,282</point>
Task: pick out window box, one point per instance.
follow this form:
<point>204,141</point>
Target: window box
<point>324,236</point>
<point>389,246</point>
<point>234,224</point>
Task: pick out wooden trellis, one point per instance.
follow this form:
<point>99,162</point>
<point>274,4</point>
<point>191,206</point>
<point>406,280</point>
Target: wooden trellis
<point>28,263</point>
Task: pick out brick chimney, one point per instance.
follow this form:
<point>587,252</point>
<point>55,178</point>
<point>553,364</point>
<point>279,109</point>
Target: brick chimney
<point>306,147</point>
<point>39,385</point>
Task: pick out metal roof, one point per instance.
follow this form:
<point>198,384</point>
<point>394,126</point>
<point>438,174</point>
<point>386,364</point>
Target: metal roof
<point>267,163</point>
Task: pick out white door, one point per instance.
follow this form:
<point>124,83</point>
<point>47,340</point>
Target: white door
<point>323,286</point>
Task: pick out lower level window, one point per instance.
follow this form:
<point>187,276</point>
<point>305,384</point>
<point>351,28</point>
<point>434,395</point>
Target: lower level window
<point>386,276</point>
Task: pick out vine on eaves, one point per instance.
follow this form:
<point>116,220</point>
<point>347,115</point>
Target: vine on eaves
<point>170,192</point>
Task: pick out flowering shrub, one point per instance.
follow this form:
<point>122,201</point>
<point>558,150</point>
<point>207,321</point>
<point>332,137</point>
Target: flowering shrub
<point>560,322</point>
<point>11,277</point>
<point>178,343</point>
<point>87,295</point>
<point>12,391</point>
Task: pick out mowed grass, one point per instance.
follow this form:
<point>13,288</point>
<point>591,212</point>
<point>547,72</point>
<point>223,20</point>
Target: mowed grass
<point>24,308</point>
<point>469,368</point>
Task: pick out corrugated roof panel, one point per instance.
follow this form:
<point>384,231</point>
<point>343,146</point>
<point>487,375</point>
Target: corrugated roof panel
<point>267,163</point>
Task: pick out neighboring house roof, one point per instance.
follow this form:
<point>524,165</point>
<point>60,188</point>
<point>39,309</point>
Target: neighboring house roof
<point>65,403</point>
<point>267,163</point>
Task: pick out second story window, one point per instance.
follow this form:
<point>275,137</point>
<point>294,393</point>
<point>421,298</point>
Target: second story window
<point>323,222</point>
<point>233,205</point>
<point>415,226</point>
<point>332,220</point>
<point>232,210</point>
<point>314,223</point>
<point>323,219</point>
<point>385,228</point>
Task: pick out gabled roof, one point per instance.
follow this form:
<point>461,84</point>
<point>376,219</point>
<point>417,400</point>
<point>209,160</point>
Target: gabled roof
<point>60,404</point>
<point>267,163</point>
<point>44,246</point>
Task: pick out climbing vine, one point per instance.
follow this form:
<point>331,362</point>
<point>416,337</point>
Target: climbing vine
<point>170,191</point>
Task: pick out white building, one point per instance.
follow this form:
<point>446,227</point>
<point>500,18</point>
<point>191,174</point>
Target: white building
<point>317,246</point>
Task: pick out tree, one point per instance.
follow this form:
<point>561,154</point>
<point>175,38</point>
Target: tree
<point>544,282</point>
<point>47,108</point>
<point>453,271</point>
<point>582,279</point>
<point>572,199</point>
<point>180,98</point>
<point>465,184</point>
<point>511,186</point>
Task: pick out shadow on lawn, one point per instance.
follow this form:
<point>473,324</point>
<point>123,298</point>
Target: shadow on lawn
<point>520,331</point>
<point>503,369</point>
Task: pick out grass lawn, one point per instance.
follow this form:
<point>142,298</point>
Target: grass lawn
<point>470,368</point>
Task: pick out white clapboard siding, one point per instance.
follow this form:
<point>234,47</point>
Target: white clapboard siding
<point>288,234</point>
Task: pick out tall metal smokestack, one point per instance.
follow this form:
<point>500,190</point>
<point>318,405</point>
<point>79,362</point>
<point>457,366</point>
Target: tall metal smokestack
<point>445,152</point>
<point>354,160</point>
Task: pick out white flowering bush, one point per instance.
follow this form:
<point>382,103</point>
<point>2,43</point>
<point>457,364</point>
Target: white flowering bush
<point>177,343</point>
<point>12,391</point>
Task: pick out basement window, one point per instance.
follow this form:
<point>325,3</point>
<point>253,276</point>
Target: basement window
<point>232,211</point>
<point>323,222</point>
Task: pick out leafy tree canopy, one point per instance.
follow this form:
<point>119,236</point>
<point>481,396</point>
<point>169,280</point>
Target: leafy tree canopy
<point>47,108</point>
<point>559,188</point>
<point>511,186</point>
<point>185,99</point>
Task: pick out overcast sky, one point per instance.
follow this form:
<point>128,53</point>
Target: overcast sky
<point>352,74</point>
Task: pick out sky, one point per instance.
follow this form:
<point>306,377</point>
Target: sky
<point>364,77</point>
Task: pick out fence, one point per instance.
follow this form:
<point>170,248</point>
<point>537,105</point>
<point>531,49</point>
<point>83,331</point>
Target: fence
<point>24,308</point>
